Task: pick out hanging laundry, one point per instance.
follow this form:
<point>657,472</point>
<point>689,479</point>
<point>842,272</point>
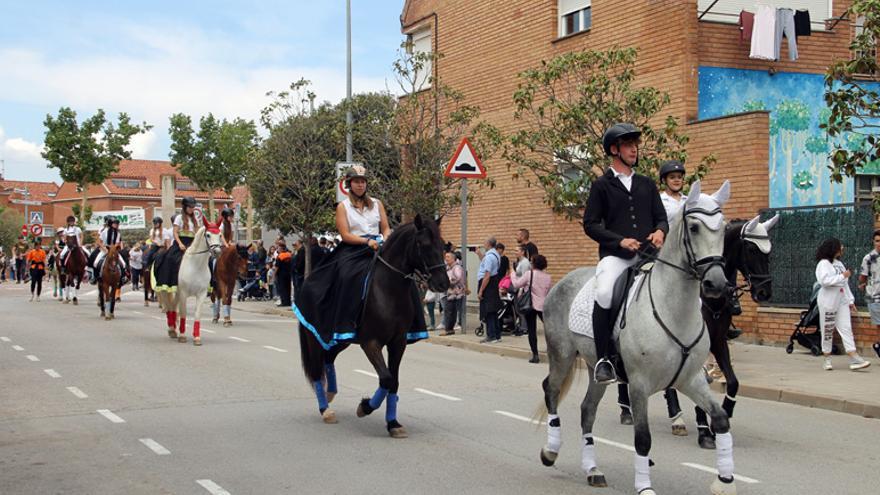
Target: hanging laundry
<point>785,25</point>
<point>764,34</point>
<point>802,25</point>
<point>746,23</point>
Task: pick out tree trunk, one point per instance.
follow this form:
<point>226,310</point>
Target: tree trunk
<point>82,206</point>
<point>211,215</point>
<point>307,249</point>
<point>250,218</point>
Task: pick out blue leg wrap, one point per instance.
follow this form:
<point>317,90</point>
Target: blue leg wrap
<point>330,373</point>
<point>378,397</point>
<point>216,308</point>
<point>322,397</point>
<point>227,311</point>
<point>391,408</point>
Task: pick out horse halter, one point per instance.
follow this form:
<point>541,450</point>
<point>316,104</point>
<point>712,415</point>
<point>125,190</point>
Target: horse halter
<point>754,281</point>
<point>417,275</point>
<point>702,265</point>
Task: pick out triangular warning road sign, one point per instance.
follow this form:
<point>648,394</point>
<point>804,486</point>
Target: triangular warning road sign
<point>465,164</point>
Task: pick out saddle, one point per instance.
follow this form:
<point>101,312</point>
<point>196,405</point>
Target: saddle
<point>619,296</point>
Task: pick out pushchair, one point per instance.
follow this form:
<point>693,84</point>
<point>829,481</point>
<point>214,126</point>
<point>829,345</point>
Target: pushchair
<point>251,286</point>
<point>507,317</point>
<point>809,319</point>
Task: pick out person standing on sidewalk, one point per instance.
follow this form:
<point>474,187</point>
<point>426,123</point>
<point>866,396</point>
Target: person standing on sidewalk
<point>455,295</point>
<point>487,291</point>
<point>136,264</point>
<point>869,281</point>
<point>18,252</point>
<point>835,303</point>
<point>537,281</point>
<point>522,238</point>
<point>36,259</point>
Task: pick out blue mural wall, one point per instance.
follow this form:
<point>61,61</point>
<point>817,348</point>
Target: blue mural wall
<point>799,150</point>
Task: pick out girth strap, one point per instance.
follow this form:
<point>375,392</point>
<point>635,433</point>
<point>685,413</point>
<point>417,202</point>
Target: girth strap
<point>685,349</point>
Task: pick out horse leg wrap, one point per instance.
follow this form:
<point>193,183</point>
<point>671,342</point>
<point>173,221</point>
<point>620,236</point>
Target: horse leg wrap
<point>643,473</point>
<point>322,397</point>
<point>182,325</point>
<point>672,405</point>
<point>728,405</point>
<point>170,320</point>
<point>724,455</point>
<point>378,397</point>
<point>227,311</point>
<point>197,329</point>
<point>216,308</point>
<point>554,433</point>
<point>588,454</point>
<point>330,373</point>
<point>391,408</point>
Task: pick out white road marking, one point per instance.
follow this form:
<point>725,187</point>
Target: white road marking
<point>109,415</point>
<point>368,373</point>
<point>138,313</point>
<point>5,339</point>
<point>239,339</point>
<point>271,348</point>
<point>90,293</point>
<point>615,444</point>
<point>78,393</point>
<point>154,446</point>
<point>737,477</point>
<point>435,394</point>
<point>18,348</point>
<point>157,318</point>
<point>213,488</point>
<point>32,357</point>
<point>519,418</point>
<point>261,321</point>
<point>52,373</point>
<point>208,331</point>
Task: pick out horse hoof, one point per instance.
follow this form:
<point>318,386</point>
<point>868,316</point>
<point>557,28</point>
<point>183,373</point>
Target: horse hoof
<point>706,442</point>
<point>227,323</point>
<point>721,488</point>
<point>108,318</point>
<point>75,302</point>
<point>648,491</point>
<point>146,304</point>
<point>596,478</point>
<point>197,341</point>
<point>548,458</point>
<point>626,418</point>
<point>398,432</point>
<point>112,316</point>
<point>679,430</point>
<point>215,321</point>
<point>172,333</point>
<point>364,408</point>
<point>330,397</point>
<point>329,417</point>
<point>182,339</point>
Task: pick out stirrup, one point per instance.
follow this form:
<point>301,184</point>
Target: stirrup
<point>610,381</point>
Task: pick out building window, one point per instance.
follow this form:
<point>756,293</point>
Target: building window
<point>574,16</point>
<point>186,185</point>
<point>866,187</point>
<point>858,30</point>
<point>126,183</point>
<point>420,42</point>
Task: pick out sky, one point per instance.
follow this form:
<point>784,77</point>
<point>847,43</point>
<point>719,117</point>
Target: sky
<point>154,59</point>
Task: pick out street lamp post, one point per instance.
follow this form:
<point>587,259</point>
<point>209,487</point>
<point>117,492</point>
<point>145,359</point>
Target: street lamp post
<point>348,117</point>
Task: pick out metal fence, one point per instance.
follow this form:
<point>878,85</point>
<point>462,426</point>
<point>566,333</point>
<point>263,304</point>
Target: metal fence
<point>798,235</point>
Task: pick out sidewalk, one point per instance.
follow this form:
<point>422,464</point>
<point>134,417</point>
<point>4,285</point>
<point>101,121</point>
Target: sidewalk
<point>764,372</point>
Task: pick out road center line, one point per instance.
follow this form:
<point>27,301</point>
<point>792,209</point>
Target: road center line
<point>109,415</point>
<point>90,293</point>
<point>78,393</point>
<point>5,339</point>
<point>208,331</point>
<point>32,357</point>
<point>239,339</point>
<point>271,348</point>
<point>154,446</point>
<point>157,318</point>
<point>598,439</point>
<point>615,444</point>
<point>519,418</point>
<point>737,477</point>
<point>18,348</point>
<point>368,373</point>
<point>52,373</point>
<point>138,313</point>
<point>212,487</point>
<point>438,395</point>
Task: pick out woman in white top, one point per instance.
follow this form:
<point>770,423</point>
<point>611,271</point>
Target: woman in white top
<point>835,300</point>
<point>167,264</point>
<point>71,230</point>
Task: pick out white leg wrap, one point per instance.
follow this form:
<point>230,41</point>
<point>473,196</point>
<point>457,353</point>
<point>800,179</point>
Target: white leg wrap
<point>554,434</point>
<point>588,454</point>
<point>216,308</point>
<point>724,454</point>
<point>227,311</point>
<point>643,473</point>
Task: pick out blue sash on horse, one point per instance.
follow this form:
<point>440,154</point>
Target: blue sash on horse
<point>330,302</point>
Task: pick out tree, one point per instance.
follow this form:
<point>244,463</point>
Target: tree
<point>10,228</point>
<point>851,94</point>
<point>216,156</point>
<point>87,153</point>
<point>792,119</point>
<point>562,109</point>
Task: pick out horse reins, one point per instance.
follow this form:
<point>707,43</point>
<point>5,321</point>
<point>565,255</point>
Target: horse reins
<point>416,275</point>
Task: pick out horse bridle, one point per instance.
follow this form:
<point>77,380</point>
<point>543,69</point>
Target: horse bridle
<point>754,280</point>
<point>695,267</point>
<point>210,246</point>
<point>417,275</point>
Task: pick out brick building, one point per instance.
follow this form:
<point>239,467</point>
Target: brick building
<point>15,194</point>
<point>724,99</point>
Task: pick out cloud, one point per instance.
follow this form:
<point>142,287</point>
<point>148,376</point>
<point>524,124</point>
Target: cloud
<point>141,145</point>
<point>22,159</point>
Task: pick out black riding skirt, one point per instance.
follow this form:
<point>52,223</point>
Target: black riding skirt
<point>167,265</point>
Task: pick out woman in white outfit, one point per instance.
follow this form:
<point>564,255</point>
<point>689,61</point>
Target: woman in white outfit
<point>835,301</point>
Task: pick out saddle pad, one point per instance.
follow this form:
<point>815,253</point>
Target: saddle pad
<point>580,316</point>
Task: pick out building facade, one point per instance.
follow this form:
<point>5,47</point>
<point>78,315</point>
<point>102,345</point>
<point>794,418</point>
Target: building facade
<point>32,200</point>
<point>760,118</point>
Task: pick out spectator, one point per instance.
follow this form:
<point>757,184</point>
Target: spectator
<point>299,266</point>
<point>430,299</point>
<point>18,254</point>
<point>490,301</point>
<point>538,282</point>
<point>522,266</point>
<point>835,303</point>
<point>869,281</point>
<point>136,264</point>
<point>36,259</point>
<point>283,275</point>
<point>522,238</point>
<point>3,263</point>
<point>270,277</point>
<point>456,295</point>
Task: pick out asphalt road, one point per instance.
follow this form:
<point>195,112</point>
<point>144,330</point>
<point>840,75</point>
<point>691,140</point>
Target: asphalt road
<point>95,407</point>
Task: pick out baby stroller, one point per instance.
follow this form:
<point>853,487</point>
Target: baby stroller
<point>809,319</point>
<point>251,286</point>
<point>507,317</point>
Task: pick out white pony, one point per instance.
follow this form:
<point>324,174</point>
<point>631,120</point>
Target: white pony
<point>193,280</point>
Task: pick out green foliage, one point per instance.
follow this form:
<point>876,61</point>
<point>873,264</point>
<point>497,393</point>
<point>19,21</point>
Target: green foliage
<point>792,115</point>
<point>817,145</point>
<point>854,104</point>
<point>10,228</point>
<point>81,219</point>
<point>563,108</point>
<point>754,106</point>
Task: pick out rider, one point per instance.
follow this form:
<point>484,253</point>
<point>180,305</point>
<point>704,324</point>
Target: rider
<point>166,267</point>
<point>71,230</point>
<point>156,241</point>
<point>227,218</point>
<point>623,211</point>
<point>672,180</point>
<point>108,237</point>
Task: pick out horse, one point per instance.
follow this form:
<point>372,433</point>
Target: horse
<point>658,353</point>
<point>231,264</point>
<point>52,271</point>
<point>111,277</point>
<point>413,252</point>
<point>74,269</point>
<point>194,278</point>
<point>747,251</point>
<point>147,278</point>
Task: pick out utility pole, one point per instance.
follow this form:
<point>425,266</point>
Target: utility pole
<point>348,117</point>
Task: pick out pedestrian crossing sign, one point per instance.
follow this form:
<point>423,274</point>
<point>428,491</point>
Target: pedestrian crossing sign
<point>465,164</point>
<point>36,217</point>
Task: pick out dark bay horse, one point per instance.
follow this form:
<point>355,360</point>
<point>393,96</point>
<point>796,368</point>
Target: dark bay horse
<point>231,265</point>
<point>74,269</point>
<point>413,252</point>
<point>147,277</point>
<point>111,278</point>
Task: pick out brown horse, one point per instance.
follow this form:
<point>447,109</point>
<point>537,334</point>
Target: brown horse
<point>231,265</point>
<point>74,269</point>
<point>110,282</point>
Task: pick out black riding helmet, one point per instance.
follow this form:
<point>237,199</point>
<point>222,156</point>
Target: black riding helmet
<point>617,133</point>
<point>227,212</point>
<point>71,218</point>
<point>109,219</point>
<point>114,221</point>
<point>157,220</point>
<point>669,167</point>
<point>188,201</point>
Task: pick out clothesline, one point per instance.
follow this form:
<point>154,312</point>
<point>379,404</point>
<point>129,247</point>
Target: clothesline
<point>818,23</point>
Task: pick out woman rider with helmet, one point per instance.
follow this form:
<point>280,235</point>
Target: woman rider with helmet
<point>623,211</point>
<point>227,216</point>
<point>156,241</point>
<point>71,230</point>
<point>672,179</point>
<point>166,267</point>
<point>109,236</point>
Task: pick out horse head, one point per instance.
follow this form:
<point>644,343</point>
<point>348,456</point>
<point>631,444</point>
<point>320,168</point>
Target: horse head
<point>427,256</point>
<point>213,237</point>
<point>754,262</point>
<point>701,230</point>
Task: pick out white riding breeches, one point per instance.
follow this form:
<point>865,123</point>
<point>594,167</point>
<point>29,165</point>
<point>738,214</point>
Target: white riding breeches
<point>607,272</point>
<point>101,257</point>
<point>65,251</point>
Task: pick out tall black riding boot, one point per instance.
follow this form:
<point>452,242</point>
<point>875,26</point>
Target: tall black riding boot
<point>602,333</point>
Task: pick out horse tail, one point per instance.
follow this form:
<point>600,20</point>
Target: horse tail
<point>540,414</point>
<point>312,356</point>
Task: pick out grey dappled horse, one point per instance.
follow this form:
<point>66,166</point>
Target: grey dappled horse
<point>663,344</point>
